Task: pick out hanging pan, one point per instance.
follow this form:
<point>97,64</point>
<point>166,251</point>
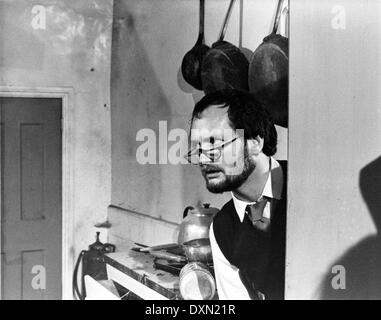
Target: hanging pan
<point>191,64</point>
<point>224,65</point>
<point>268,73</point>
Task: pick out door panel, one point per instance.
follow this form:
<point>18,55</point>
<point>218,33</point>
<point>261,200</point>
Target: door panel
<point>32,171</point>
<point>31,198</point>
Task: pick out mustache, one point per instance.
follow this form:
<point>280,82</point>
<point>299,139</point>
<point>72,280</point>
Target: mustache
<point>211,168</point>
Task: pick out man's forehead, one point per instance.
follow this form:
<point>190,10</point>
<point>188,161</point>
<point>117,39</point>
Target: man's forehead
<point>213,121</point>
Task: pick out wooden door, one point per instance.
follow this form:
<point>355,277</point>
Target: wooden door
<point>31,198</point>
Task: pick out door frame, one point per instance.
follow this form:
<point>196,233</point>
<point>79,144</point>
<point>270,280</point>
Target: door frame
<point>66,94</point>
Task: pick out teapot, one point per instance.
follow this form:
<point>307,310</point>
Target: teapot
<point>196,223</point>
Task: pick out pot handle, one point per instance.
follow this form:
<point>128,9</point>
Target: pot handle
<point>277,17</point>
<point>201,22</point>
<point>226,21</point>
<point>284,27</point>
<point>186,211</point>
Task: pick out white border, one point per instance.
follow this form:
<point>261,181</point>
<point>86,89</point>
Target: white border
<point>68,200</point>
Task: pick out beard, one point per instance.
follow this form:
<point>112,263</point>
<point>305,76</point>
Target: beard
<point>227,182</point>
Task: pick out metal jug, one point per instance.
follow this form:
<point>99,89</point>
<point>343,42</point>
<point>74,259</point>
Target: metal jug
<point>196,223</point>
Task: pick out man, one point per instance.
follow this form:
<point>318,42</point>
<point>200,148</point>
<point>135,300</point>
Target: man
<point>233,140</point>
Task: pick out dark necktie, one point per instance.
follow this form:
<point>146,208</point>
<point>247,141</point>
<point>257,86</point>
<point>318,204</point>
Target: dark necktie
<point>255,214</point>
<point>254,268</point>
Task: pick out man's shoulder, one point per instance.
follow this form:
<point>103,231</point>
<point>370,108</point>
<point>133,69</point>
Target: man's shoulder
<point>225,225</point>
<point>227,208</point>
<point>283,165</point>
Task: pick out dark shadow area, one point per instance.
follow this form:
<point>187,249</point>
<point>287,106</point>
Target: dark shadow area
<point>362,262</point>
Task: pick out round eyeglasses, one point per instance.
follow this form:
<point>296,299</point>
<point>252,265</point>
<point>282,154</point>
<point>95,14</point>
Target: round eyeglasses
<point>213,154</point>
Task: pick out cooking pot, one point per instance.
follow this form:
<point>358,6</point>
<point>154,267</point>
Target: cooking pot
<point>224,66</point>
<point>268,73</point>
<point>196,223</point>
<point>198,250</point>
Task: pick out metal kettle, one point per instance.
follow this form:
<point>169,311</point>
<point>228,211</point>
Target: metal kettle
<point>196,223</point>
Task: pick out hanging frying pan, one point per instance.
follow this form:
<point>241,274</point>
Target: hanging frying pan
<point>224,65</point>
<point>268,73</point>
<point>191,64</point>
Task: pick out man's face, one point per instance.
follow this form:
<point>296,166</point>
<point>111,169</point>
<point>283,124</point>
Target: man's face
<point>234,166</point>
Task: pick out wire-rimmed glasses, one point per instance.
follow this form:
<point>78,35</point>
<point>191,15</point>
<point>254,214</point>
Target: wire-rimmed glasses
<point>213,154</point>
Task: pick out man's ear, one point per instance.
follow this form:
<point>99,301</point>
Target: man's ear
<point>255,146</point>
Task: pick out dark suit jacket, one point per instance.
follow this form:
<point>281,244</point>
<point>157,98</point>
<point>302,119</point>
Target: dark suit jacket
<point>259,255</point>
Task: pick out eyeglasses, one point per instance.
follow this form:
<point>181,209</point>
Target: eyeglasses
<point>214,153</point>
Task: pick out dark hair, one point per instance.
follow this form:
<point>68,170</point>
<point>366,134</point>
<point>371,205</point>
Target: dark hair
<point>244,112</point>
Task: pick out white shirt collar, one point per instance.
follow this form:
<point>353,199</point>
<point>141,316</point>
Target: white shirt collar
<point>273,189</point>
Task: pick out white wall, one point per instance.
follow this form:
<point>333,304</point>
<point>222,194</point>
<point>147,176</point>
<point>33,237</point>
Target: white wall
<point>77,38</point>
<point>149,41</point>
<point>334,151</point>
